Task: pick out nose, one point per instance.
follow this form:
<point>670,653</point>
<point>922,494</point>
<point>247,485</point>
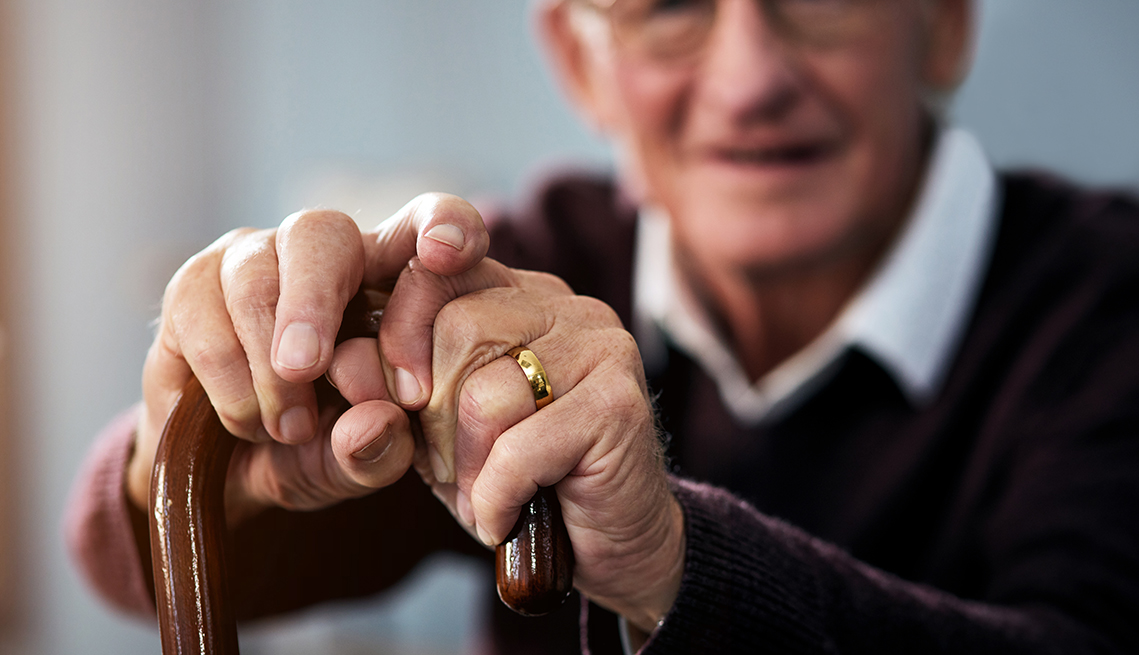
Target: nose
<point>748,71</point>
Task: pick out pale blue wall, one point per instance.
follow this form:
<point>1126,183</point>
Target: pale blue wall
<point>150,127</point>
<point>443,88</point>
<point>1056,84</point>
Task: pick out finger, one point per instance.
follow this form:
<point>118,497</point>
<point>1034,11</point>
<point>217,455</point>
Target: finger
<point>168,368</point>
<point>518,463</point>
<point>498,396</point>
<point>372,442</point>
<point>492,399</point>
<point>197,328</point>
<point>165,373</point>
<point>370,447</point>
<point>356,373</point>
<point>409,319</point>
<point>164,376</point>
<point>587,433</point>
<point>321,262</point>
<point>249,276</point>
<point>475,329</point>
<point>445,231</point>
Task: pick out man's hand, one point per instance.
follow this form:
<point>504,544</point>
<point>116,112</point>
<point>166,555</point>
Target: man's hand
<point>487,449</point>
<point>255,316</point>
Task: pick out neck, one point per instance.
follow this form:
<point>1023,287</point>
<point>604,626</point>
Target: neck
<point>767,316</point>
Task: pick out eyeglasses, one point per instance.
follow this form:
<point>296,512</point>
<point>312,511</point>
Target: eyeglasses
<point>670,30</point>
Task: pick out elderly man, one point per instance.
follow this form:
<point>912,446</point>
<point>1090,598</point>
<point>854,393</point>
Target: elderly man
<point>898,389</point>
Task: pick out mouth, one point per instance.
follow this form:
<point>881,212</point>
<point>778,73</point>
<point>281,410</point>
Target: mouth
<point>791,155</point>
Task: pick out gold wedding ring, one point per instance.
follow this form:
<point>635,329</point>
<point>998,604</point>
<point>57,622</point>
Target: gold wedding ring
<point>535,373</point>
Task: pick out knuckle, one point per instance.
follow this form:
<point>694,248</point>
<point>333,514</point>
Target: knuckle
<point>626,393</point>
<point>295,490</point>
<point>500,467</point>
<point>549,282</point>
<point>621,346</point>
<point>255,293</point>
<point>193,268</point>
<point>617,354</point>
<point>208,262</point>
<point>240,412</point>
<point>479,407</point>
<point>490,492</point>
<point>445,206</point>
<point>472,407</point>
<point>165,348</point>
<point>319,218</point>
<point>211,355</point>
<point>455,328</point>
<point>321,230</point>
<point>217,361</point>
<point>624,402</point>
<point>292,494</point>
<point>236,238</point>
<point>596,312</point>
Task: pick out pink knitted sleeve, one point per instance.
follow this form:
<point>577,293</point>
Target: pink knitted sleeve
<point>97,525</point>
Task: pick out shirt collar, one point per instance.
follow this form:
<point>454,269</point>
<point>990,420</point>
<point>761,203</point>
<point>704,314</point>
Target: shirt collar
<point>908,317</point>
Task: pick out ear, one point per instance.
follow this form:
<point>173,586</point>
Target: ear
<point>573,64</point>
<point>950,45</point>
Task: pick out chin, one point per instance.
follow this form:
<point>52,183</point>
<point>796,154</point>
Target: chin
<point>723,231</point>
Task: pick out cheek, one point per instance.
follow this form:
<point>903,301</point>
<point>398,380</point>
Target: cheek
<point>878,97</point>
<point>648,108</point>
<point>651,97</point>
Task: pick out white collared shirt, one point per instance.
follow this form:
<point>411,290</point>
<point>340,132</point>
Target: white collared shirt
<point>909,316</point>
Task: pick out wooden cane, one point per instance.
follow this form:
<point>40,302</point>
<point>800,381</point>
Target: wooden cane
<point>188,535</point>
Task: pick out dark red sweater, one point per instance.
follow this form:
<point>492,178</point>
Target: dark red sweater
<point>1002,517</point>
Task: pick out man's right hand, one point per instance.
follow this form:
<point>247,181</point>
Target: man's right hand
<point>255,317</point>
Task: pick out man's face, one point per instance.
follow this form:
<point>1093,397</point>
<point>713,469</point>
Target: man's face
<point>770,146</point>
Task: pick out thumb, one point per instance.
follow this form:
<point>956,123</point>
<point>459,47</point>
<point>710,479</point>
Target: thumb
<point>444,231</point>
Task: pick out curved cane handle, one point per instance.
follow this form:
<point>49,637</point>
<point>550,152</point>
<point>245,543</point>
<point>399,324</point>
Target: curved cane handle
<point>188,530</point>
<point>534,566</point>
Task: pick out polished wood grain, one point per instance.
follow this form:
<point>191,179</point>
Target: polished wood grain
<point>188,531</point>
<point>188,534</point>
<point>534,566</point>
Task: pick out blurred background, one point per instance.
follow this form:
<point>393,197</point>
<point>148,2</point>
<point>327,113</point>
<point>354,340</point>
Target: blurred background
<point>134,132</point>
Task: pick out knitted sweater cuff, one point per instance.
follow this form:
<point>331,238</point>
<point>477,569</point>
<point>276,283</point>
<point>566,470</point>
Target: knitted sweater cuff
<point>745,587</point>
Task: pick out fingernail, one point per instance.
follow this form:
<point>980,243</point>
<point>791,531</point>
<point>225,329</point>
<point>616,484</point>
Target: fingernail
<point>407,387</point>
<point>438,466</point>
<point>463,505</point>
<point>374,450</point>
<point>447,234</point>
<point>299,348</point>
<point>297,425</point>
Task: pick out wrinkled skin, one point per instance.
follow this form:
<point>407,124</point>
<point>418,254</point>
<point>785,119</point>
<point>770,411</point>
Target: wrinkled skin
<point>771,241</point>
